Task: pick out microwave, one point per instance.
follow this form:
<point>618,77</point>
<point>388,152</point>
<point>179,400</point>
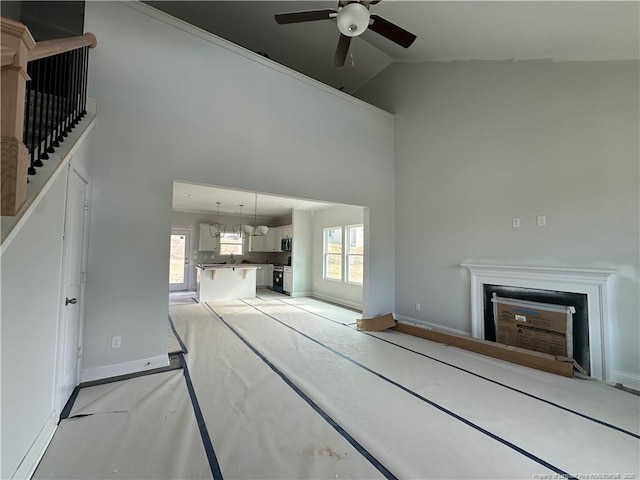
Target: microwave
<point>285,244</point>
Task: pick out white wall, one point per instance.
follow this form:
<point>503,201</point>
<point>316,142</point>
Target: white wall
<point>177,104</point>
<point>31,265</point>
<point>302,251</point>
<point>340,292</point>
<point>479,143</point>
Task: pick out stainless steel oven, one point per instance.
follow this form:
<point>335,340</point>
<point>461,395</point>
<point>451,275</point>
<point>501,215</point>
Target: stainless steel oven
<point>278,278</point>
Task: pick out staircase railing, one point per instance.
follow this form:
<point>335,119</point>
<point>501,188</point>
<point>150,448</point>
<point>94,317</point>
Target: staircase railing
<point>44,96</point>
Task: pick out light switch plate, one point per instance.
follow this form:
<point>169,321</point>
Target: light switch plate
<point>541,221</point>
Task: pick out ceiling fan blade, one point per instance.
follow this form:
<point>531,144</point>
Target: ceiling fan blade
<point>308,16</point>
<point>391,31</point>
<point>341,51</point>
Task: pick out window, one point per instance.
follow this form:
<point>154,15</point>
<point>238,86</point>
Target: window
<point>355,251</point>
<point>333,253</point>
<point>230,244</point>
<point>344,253</point>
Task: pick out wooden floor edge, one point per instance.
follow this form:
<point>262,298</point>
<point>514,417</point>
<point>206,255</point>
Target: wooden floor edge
<point>527,358</point>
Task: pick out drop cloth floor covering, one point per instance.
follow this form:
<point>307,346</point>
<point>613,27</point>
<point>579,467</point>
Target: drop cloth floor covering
<point>386,404</point>
<point>142,428</point>
<point>424,419</point>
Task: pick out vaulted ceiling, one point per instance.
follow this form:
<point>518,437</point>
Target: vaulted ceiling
<point>446,31</point>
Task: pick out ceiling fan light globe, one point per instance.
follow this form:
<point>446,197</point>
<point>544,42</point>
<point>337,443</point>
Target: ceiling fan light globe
<point>353,19</point>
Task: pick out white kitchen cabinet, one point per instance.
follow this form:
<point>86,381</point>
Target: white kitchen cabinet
<point>261,276</point>
<point>268,240</point>
<point>287,283</point>
<point>272,239</point>
<point>277,238</point>
<point>208,243</point>
<point>270,276</point>
<point>287,231</point>
<point>256,244</point>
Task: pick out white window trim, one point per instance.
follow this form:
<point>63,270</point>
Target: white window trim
<point>345,249</point>
<point>324,255</point>
<point>344,271</point>
<point>220,243</point>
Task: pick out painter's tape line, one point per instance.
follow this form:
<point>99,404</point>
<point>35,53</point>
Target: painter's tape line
<point>505,442</point>
<point>363,451</point>
<point>66,411</point>
<point>175,332</point>
<point>204,433</point>
<point>530,395</point>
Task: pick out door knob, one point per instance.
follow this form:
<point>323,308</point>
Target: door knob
<point>71,301</point>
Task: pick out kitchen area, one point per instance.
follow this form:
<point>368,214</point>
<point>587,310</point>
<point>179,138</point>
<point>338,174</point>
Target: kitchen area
<point>229,243</point>
<point>231,278</point>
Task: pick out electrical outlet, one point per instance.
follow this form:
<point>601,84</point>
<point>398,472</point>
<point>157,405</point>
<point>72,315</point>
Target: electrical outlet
<point>541,220</point>
<point>418,306</point>
<point>516,223</point>
<point>116,342</point>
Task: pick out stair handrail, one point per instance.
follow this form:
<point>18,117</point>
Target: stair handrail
<point>47,48</point>
<point>18,49</point>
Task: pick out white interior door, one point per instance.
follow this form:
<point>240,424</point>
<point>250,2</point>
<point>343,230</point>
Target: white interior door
<point>179,259</point>
<point>73,281</point>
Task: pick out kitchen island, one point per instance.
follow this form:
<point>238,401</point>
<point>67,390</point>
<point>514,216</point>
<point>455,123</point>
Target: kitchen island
<point>225,281</point>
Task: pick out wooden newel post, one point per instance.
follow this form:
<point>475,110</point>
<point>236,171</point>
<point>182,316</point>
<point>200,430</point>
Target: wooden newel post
<point>16,39</point>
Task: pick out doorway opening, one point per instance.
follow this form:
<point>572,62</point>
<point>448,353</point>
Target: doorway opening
<point>179,259</point>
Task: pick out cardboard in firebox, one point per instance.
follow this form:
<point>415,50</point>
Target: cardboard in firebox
<point>540,327</point>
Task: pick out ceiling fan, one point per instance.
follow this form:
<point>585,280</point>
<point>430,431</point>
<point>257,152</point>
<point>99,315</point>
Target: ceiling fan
<point>353,18</point>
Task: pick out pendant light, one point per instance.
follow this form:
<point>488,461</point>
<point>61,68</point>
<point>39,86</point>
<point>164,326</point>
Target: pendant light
<point>241,230</point>
<point>217,229</point>
<point>257,230</point>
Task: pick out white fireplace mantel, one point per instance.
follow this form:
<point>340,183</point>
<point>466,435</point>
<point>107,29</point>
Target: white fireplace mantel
<point>596,283</point>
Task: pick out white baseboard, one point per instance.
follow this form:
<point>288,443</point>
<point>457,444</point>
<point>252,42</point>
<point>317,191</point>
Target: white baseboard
<point>418,321</point>
<point>125,368</point>
<point>34,455</point>
<point>300,294</point>
<point>339,301</point>
<point>627,379</point>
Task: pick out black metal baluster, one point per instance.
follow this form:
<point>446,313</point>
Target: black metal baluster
<point>35,81</point>
<point>72,91</point>
<point>47,80</point>
<point>27,117</point>
<point>85,76</point>
<point>76,90</point>
<point>76,98</point>
<point>42,132</point>
<point>50,105</point>
<point>67,94</point>
<point>72,88</point>
<point>54,103</point>
<point>27,99</point>
<point>60,98</point>
<point>63,95</point>
<point>83,91</point>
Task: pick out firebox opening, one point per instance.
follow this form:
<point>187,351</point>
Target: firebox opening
<point>577,300</point>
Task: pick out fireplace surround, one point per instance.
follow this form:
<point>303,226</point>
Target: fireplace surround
<point>596,284</point>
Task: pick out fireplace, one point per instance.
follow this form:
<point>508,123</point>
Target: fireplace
<point>588,290</point>
<point>580,327</point>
